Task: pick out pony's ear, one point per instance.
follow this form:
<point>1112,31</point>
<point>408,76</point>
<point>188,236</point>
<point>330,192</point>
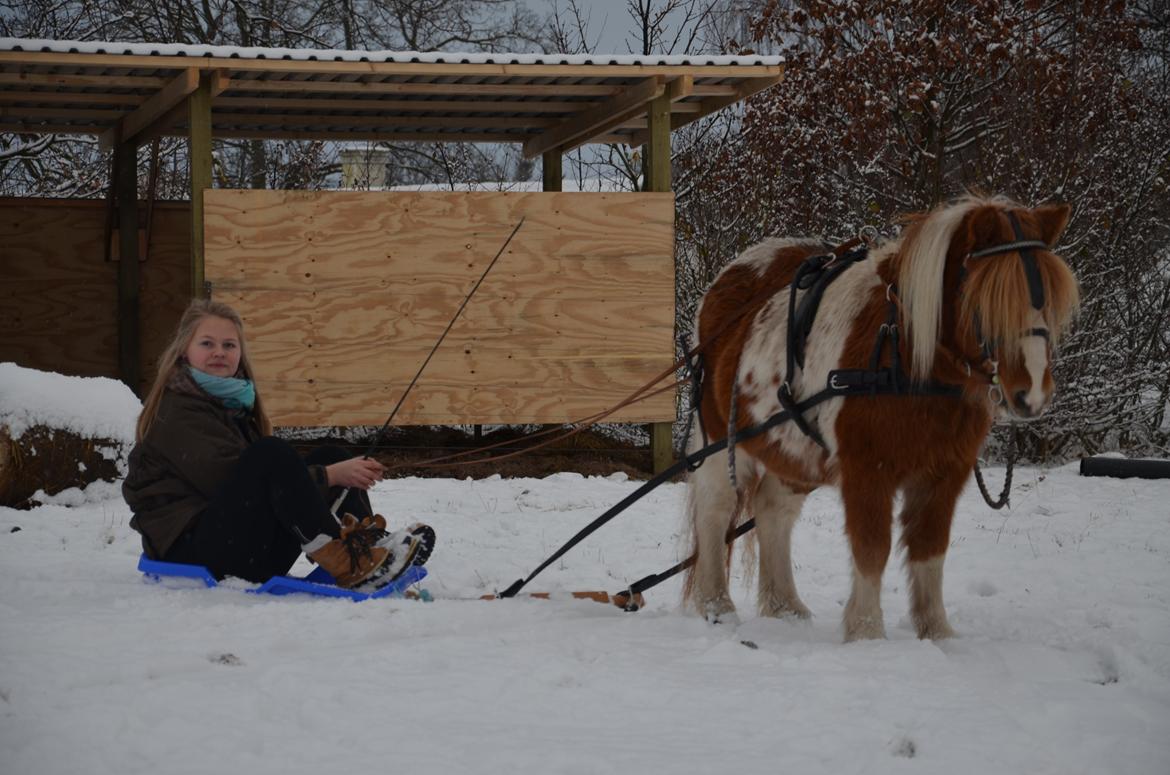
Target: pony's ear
<point>1051,219</point>
<point>983,227</point>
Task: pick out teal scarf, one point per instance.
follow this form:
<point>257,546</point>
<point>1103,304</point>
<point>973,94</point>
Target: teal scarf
<point>234,393</point>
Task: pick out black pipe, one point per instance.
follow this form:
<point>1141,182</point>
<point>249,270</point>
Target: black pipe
<point>1124,468</point>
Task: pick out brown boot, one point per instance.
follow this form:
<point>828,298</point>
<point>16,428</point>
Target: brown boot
<point>376,522</point>
<point>418,540</point>
<point>354,557</point>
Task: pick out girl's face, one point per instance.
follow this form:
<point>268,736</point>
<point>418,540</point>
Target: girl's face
<point>215,348</point>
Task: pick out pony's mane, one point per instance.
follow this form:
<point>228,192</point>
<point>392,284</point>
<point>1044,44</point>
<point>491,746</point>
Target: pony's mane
<point>996,293</point>
<point>920,267</point>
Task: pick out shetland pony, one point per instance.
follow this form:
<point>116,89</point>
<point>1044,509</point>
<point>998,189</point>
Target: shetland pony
<point>960,285</point>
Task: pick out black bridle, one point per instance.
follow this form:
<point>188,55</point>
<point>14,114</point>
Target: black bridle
<point>1027,250</point>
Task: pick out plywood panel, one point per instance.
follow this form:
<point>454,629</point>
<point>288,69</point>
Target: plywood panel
<point>398,322</point>
<point>58,296</point>
<point>345,404</point>
<point>344,293</point>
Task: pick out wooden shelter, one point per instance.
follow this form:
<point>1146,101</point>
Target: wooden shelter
<point>585,312</point>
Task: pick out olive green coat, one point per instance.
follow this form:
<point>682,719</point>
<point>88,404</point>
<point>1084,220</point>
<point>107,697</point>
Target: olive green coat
<point>186,457</point>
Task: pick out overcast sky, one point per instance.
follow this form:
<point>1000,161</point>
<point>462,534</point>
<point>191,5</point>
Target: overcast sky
<point>608,22</point>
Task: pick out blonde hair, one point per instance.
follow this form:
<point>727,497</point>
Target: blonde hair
<point>174,356</point>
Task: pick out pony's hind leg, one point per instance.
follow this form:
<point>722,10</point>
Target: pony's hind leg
<point>775,508</point>
<point>927,511</point>
<point>869,516</point>
<point>712,507</point>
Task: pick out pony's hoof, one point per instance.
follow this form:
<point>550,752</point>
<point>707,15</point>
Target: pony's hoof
<point>864,629</point>
<point>788,610</point>
<point>721,612</point>
<point>934,630</point>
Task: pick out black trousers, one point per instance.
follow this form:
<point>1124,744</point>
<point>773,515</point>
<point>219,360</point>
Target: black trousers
<point>254,527</point>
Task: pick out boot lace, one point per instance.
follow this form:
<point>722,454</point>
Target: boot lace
<point>358,544</point>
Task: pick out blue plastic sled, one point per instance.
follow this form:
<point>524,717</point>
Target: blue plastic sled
<point>319,582</point>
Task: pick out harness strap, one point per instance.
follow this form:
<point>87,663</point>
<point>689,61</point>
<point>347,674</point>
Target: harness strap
<point>654,579</point>
<point>1027,250</point>
<point>693,458</point>
<point>1008,247</point>
<point>694,368</point>
<point>813,276</point>
<point>842,383</point>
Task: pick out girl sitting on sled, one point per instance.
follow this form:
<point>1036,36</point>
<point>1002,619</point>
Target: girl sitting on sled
<point>209,485</point>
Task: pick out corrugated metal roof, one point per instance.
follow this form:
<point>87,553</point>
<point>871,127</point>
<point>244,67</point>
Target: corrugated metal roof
<point>338,55</point>
<point>543,101</point>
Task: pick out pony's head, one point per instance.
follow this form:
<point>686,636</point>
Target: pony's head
<point>980,282</point>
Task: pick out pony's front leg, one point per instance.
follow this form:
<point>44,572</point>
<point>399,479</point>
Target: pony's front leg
<point>775,508</point>
<point>927,512</point>
<point>869,514</point>
<point>713,507</point>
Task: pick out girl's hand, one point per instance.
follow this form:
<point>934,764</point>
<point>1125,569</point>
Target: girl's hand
<point>360,472</point>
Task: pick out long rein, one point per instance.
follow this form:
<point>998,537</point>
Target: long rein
<point>631,598</point>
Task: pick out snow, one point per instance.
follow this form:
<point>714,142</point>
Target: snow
<point>29,397</point>
<point>341,55</point>
<point>1062,664</point>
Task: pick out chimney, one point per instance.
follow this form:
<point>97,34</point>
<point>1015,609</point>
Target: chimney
<point>364,169</point>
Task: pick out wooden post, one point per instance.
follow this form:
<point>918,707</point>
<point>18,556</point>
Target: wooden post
<point>199,152</point>
<point>552,170</point>
<point>551,175</point>
<point>657,162</point>
<point>656,177</point>
<point>129,340</point>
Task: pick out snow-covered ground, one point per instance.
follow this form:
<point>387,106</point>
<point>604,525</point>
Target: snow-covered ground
<point>1062,664</point>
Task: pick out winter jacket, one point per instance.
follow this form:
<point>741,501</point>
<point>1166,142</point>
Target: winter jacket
<point>186,457</point>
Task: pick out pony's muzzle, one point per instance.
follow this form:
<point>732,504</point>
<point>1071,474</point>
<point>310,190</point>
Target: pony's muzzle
<point>1029,404</point>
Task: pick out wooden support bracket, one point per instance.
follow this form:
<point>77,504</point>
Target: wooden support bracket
<point>575,131</point>
<point>157,106</point>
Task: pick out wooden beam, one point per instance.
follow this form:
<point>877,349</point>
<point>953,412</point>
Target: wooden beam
<point>299,120</point>
<point>576,130</point>
<point>129,335</point>
<point>680,88</point>
<point>95,81</point>
<point>166,126</point>
<point>199,132</point>
<point>713,89</point>
<point>402,106</point>
<point>656,173</point>
<point>661,446</point>
<point>320,134</point>
<point>552,170</point>
<point>220,82</point>
<point>480,89</point>
<point>83,114</point>
<point>73,97</point>
<point>676,91</point>
<point>50,129</point>
<point>154,83</point>
<point>325,103</point>
<point>657,158</point>
<point>745,89</point>
<point>388,137</point>
<point>150,111</point>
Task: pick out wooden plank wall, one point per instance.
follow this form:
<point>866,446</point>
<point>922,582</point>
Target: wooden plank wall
<point>58,296</point>
<point>344,293</point>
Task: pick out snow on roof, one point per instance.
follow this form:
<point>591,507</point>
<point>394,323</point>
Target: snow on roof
<point>340,55</point>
